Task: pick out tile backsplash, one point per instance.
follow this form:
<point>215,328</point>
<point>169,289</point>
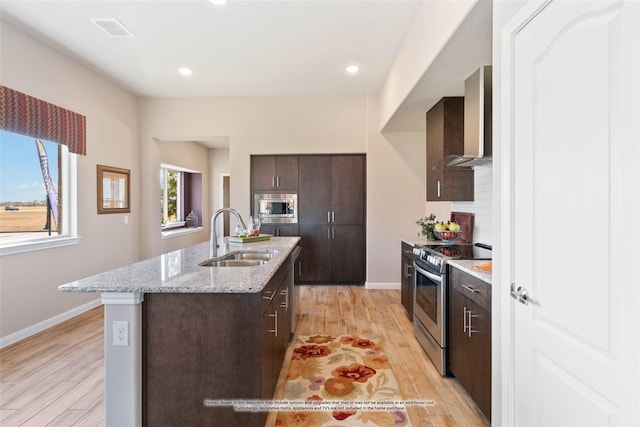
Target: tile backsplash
<point>481,207</point>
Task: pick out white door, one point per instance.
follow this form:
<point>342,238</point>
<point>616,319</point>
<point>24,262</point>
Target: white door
<point>576,219</point>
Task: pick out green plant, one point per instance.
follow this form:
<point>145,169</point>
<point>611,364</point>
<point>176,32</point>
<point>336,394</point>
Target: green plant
<point>426,226</point>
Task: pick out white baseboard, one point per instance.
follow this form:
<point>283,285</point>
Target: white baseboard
<point>369,285</point>
<point>52,321</point>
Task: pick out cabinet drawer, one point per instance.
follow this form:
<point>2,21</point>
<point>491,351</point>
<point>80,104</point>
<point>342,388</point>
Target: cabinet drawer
<point>473,288</point>
<point>269,292</point>
<point>407,250</point>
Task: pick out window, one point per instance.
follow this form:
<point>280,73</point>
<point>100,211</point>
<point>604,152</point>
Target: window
<point>35,193</point>
<point>180,193</point>
<point>28,119</point>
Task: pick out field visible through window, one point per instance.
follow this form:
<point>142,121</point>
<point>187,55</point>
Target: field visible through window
<point>26,218</point>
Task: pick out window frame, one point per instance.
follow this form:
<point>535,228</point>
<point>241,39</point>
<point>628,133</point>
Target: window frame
<point>68,172</point>
<point>180,226</point>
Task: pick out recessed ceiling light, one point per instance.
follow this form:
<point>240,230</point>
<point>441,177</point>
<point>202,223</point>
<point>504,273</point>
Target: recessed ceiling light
<point>185,71</point>
<point>218,2</point>
<point>352,69</point>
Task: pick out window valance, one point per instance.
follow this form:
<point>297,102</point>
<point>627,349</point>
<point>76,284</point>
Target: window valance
<point>26,115</point>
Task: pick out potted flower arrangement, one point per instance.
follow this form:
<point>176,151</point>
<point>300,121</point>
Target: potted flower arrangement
<point>427,225</point>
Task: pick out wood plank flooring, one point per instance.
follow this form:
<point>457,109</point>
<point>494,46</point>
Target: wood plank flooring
<point>56,378</point>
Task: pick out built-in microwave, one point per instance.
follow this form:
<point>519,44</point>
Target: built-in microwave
<point>276,208</point>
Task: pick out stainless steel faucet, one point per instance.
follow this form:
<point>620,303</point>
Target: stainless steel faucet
<point>214,244</point>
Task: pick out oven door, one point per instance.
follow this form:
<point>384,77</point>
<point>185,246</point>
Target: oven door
<point>429,302</point>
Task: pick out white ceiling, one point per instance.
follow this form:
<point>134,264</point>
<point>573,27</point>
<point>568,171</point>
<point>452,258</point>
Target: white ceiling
<point>244,48</point>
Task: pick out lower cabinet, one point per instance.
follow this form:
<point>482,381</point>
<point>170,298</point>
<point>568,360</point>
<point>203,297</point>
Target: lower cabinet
<point>406,281</point>
<point>332,254</point>
<point>216,347</point>
<point>469,328</point>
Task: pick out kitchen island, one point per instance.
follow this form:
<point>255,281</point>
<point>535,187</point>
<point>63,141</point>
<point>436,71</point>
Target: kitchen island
<point>178,334</point>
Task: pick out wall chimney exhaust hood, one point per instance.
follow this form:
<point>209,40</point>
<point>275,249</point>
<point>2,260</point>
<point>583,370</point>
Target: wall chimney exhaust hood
<point>477,120</point>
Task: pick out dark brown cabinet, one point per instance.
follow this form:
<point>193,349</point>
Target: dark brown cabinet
<point>279,229</point>
<point>274,173</point>
<point>406,282</point>
<point>213,346</point>
<point>445,140</point>
<point>331,216</point>
<point>469,331</point>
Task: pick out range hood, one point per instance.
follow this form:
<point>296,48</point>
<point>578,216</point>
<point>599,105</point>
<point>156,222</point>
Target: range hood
<point>477,120</point>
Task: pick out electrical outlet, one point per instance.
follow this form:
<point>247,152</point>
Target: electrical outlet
<point>121,332</point>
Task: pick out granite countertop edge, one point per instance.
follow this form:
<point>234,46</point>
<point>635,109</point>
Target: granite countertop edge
<point>469,266</point>
<point>179,272</point>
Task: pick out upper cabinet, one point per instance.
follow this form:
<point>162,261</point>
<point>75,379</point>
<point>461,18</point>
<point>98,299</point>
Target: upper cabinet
<point>445,140</point>
<point>274,173</point>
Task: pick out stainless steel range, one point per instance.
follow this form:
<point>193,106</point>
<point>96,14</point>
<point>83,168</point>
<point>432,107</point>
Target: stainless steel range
<point>430,294</point>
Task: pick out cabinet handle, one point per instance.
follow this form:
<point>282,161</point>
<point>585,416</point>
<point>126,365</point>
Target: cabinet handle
<point>273,181</point>
<point>333,216</point>
<point>328,216</point>
<point>275,323</point>
<point>469,288</point>
<point>438,188</point>
<point>333,232</point>
<point>468,314</point>
<point>407,270</point>
<point>464,319</point>
<point>270,297</point>
<point>328,233</point>
<point>277,181</point>
<point>299,268</point>
<point>285,304</point>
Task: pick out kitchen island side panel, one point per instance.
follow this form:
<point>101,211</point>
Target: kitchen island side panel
<point>198,347</point>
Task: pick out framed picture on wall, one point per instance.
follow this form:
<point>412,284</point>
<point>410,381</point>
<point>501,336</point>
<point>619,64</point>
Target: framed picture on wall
<point>113,190</point>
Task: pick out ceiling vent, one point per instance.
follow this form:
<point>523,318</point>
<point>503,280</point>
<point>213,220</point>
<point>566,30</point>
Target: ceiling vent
<point>112,26</point>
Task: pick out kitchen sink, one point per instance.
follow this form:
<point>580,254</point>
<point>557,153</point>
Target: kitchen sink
<point>239,259</point>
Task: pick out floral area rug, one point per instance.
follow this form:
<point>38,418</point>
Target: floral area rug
<point>341,381</point>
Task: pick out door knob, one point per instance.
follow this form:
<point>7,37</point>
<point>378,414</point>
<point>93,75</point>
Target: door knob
<point>521,295</point>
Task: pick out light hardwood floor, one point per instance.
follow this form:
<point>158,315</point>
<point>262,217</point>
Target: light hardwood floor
<point>56,378</point>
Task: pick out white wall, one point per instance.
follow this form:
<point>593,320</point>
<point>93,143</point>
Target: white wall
<point>434,24</point>
<point>29,281</point>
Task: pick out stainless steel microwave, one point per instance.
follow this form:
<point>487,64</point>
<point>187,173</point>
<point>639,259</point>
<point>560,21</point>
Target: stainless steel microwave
<point>276,208</point>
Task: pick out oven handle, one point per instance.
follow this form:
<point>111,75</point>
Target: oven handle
<point>429,275</point>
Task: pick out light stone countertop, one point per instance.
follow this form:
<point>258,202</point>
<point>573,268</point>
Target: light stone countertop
<point>179,272</point>
<point>469,266</point>
<point>420,241</point>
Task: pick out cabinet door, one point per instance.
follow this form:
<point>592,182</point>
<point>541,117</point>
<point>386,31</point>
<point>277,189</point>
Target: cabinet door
<point>315,259</point>
<point>445,140</point>
<point>435,151</point>
<point>314,198</point>
<point>268,349</point>
<point>460,355</point>
<point>347,254</point>
<point>480,348</point>
<point>406,281</point>
<point>287,173</point>
<point>348,189</point>
<point>263,172</point>
<point>470,337</point>
<point>270,173</point>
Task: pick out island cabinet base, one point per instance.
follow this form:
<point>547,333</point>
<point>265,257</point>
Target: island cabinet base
<point>212,347</point>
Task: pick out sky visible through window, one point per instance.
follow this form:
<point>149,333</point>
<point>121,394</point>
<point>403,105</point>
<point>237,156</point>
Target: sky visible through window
<point>20,174</point>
